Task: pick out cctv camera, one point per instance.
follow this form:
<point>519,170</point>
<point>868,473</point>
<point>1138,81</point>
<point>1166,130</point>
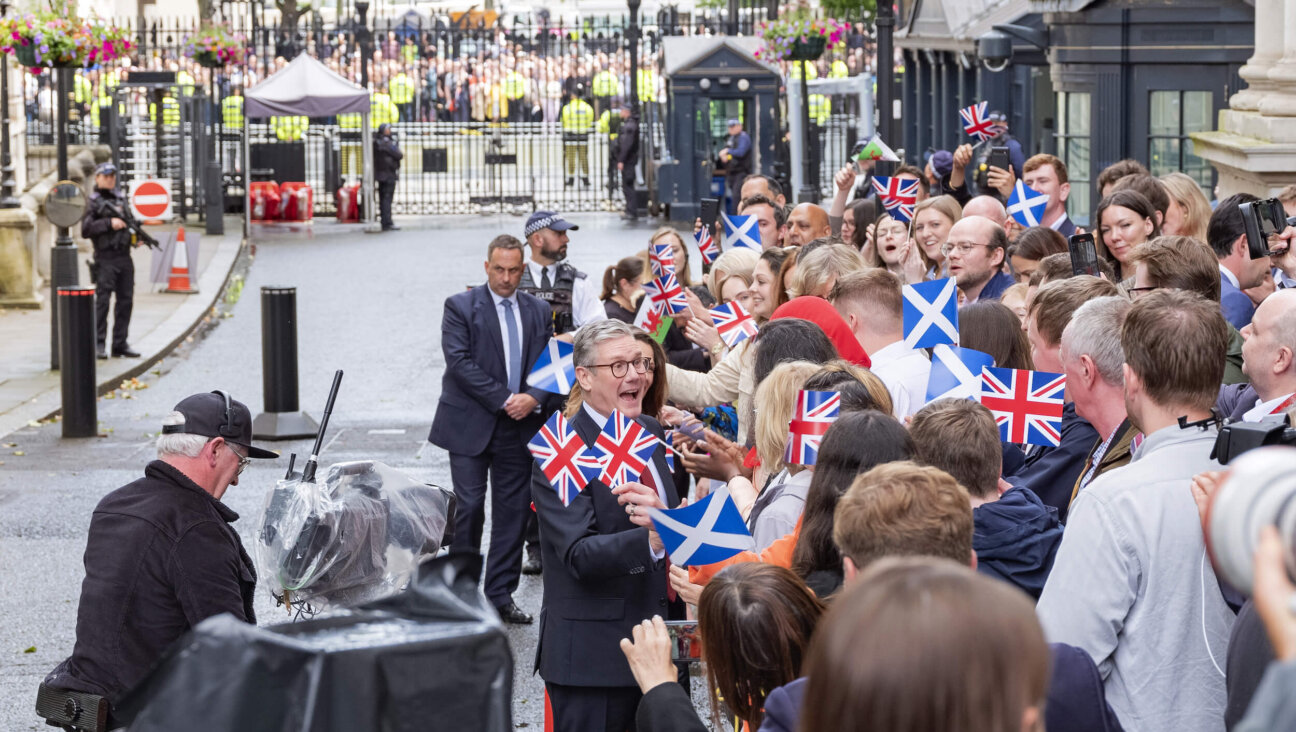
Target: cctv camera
<point>995,50</point>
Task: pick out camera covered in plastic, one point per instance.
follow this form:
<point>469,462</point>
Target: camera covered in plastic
<point>356,536</point>
<point>1259,490</point>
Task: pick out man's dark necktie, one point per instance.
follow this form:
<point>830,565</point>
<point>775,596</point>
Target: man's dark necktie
<point>545,282</point>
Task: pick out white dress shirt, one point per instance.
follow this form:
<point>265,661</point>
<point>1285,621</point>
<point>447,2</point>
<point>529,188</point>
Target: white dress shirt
<point>904,371</point>
<point>501,312</point>
<point>586,307</point>
<point>601,421</point>
<point>1264,409</point>
<point>1232,278</point>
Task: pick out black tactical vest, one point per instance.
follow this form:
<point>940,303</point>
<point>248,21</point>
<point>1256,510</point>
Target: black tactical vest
<point>559,295</point>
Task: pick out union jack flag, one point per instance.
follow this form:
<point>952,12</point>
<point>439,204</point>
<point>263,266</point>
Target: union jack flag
<point>898,195</point>
<point>624,448</point>
<point>666,291</point>
<point>562,457</point>
<point>1026,404</point>
<point>815,412</point>
<point>975,122</point>
<point>734,323</point>
<point>706,244</point>
<point>670,450</point>
<point>662,259</point>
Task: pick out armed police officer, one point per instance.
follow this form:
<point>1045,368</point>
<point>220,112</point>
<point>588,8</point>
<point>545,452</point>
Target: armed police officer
<point>105,225</point>
<point>387,159</point>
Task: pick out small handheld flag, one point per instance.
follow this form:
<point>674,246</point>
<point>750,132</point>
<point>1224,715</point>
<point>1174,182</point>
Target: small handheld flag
<point>1026,205</point>
<point>554,370</point>
<point>814,413</point>
<point>898,195</point>
<point>734,323</point>
<point>877,150</point>
<point>956,372</point>
<point>661,257</point>
<point>975,122</point>
<point>1026,404</point>
<point>666,291</point>
<point>562,457</point>
<point>624,448</point>
<point>742,231</point>
<point>653,320</point>
<point>707,244</point>
<point>709,531</point>
<point>931,313</point>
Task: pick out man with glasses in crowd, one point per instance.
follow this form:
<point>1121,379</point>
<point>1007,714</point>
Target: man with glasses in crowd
<point>161,555</point>
<point>975,253</point>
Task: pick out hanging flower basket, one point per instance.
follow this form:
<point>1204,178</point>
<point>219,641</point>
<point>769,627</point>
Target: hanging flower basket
<point>809,49</point>
<point>49,41</point>
<point>800,38</point>
<point>215,46</point>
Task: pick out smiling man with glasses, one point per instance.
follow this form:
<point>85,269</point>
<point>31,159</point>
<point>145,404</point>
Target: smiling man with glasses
<point>161,555</point>
<point>975,253</point>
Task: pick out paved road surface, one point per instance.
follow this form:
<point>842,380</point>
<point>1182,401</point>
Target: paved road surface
<point>370,305</point>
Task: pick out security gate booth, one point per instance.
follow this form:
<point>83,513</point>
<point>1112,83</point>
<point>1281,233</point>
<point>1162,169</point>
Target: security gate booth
<point>710,80</point>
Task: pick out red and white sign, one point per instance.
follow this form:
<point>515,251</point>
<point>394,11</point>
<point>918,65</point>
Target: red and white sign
<point>150,199</point>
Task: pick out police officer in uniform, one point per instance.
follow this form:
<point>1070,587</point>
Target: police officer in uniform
<point>571,297</point>
<point>104,224</point>
<point>737,159</point>
<point>387,157</point>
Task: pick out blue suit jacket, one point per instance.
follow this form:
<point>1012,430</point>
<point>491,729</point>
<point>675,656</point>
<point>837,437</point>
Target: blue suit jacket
<point>1235,304</point>
<point>994,289</point>
<point>475,384</point>
<point>1051,472</point>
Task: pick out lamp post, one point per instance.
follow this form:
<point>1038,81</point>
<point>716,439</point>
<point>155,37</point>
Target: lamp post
<point>809,191</point>
<point>7,182</point>
<point>885,70</point>
<point>632,39</point>
<point>63,255</point>
<point>365,39</point>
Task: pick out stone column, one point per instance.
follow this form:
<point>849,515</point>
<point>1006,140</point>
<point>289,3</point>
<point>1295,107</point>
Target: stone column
<point>1268,50</point>
<point>1281,100</point>
<point>18,285</point>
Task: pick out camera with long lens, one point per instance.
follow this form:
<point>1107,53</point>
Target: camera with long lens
<point>1260,491</point>
<point>1236,438</point>
<point>1264,219</point>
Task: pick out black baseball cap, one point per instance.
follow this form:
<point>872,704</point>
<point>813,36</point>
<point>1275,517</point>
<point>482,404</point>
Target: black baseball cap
<point>547,220</point>
<point>217,415</point>
<point>106,169</point>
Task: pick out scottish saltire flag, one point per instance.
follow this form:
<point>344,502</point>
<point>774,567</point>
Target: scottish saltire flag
<point>898,196</point>
<point>554,370</point>
<point>877,150</point>
<point>707,244</point>
<point>931,313</point>
<point>734,323</point>
<point>1026,404</point>
<point>1026,205</point>
<point>742,231</point>
<point>562,457</point>
<point>662,259</point>
<point>975,122</point>
<point>624,448</point>
<point>814,413</point>
<point>956,372</point>
<point>706,532</point>
<point>666,292</point>
<point>653,320</point>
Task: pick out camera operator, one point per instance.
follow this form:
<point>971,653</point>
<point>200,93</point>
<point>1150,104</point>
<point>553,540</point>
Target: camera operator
<point>161,555</point>
<point>1268,360</point>
<point>114,273</point>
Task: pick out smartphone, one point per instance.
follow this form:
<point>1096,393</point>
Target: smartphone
<point>710,212</point>
<point>1262,220</point>
<point>998,158</point>
<point>1084,255</point>
<point>685,643</point>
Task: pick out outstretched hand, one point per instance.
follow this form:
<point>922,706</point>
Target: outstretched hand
<point>649,654</point>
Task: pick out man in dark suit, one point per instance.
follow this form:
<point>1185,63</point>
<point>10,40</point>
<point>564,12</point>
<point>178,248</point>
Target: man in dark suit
<point>1269,360</point>
<point>491,335</point>
<point>1226,234</point>
<point>604,573</point>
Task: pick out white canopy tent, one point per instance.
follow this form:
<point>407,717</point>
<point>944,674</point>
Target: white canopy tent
<point>306,87</point>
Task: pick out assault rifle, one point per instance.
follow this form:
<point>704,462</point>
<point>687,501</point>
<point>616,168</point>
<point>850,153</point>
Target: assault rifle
<point>101,204</point>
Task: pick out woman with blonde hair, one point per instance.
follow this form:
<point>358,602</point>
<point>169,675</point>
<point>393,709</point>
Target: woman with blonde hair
<point>1189,211</point>
<point>731,268</point>
<point>660,236</point>
<point>931,225</point>
<point>778,506</point>
<point>817,272</point>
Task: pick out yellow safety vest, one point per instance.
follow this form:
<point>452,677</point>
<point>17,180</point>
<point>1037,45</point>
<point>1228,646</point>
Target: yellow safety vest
<point>289,128</point>
<point>794,70</point>
<point>578,117</point>
<point>232,111</point>
<point>402,89</point>
<point>604,124</point>
<point>185,82</point>
<point>838,70</point>
<point>170,112</point>
<point>514,86</point>
<point>820,108</point>
<point>606,84</point>
<point>351,121</point>
<point>382,109</point>
<point>647,85</point>
<point>409,52</point>
<point>82,91</point>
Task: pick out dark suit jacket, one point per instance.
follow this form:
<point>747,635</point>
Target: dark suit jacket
<point>475,384</point>
<point>600,578</point>
<point>994,289</point>
<point>1051,472</point>
<point>1236,400</point>
<point>1067,228</point>
<point>668,708</point>
<point>1235,304</point>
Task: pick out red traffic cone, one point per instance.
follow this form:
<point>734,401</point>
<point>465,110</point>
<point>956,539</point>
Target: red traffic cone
<point>179,280</point>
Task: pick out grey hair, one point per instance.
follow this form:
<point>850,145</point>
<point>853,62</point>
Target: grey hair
<point>589,337</point>
<point>1095,331</point>
<point>179,444</point>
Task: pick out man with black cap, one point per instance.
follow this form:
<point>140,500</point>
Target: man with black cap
<point>387,157</point>
<point>161,555</point>
<point>737,159</point>
<point>104,224</point>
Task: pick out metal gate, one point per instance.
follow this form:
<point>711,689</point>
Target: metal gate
<point>157,131</point>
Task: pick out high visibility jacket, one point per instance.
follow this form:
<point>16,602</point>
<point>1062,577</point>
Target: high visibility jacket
<point>605,125</point>
<point>794,70</point>
<point>838,70</point>
<point>606,84</point>
<point>186,82</point>
<point>820,108</point>
<point>401,88</point>
<point>170,112</point>
<point>578,117</point>
<point>409,52</point>
<point>647,85</point>
<point>232,111</point>
<point>514,86</point>
<point>382,109</point>
<point>290,127</point>
<point>351,121</point>
<point>82,90</point>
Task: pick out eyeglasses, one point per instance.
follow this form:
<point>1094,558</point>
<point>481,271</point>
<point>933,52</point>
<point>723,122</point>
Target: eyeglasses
<point>962,247</point>
<point>243,461</point>
<point>1137,292</point>
<point>619,368</point>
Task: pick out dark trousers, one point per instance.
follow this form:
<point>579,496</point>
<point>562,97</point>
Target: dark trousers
<point>734,182</point>
<point>508,464</point>
<point>386,192</point>
<point>628,190</point>
<point>116,277</point>
<point>593,708</point>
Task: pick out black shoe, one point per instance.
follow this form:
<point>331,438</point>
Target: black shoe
<point>569,183</point>
<point>532,564</point>
<point>585,182</point>
<point>125,352</point>
<point>102,353</point>
<point>513,614</point>
<point>391,227</point>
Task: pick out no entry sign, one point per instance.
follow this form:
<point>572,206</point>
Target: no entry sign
<point>151,199</point>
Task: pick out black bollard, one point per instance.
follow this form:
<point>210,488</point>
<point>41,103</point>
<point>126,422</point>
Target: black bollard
<point>282,418</point>
<point>76,314</point>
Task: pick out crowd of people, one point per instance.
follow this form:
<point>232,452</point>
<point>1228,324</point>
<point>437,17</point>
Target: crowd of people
<point>1095,605</point>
